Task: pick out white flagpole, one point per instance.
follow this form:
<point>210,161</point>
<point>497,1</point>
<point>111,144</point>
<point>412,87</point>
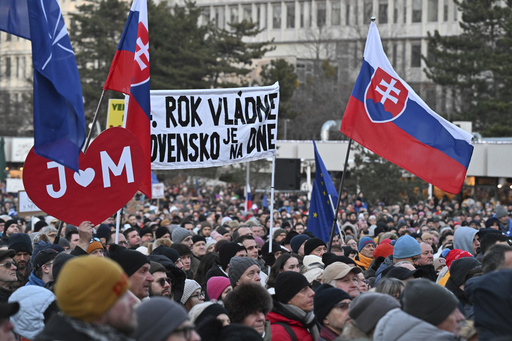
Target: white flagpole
<point>271,229</point>
<point>247,179</point>
<point>336,218</point>
<point>118,222</point>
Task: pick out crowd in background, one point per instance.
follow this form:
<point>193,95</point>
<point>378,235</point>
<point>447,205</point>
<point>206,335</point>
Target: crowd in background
<point>198,264</point>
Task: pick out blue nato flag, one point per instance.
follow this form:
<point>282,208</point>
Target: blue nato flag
<point>59,119</point>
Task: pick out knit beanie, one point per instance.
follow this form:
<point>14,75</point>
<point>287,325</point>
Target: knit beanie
<point>59,262</point>
<point>146,230</point>
<point>459,269</point>
<point>328,258</point>
<point>326,296</point>
<point>179,234</point>
<point>228,251</point>
<point>277,232</point>
<point>211,309</point>
<point>456,254</point>
<point>288,284</point>
<point>368,308</point>
<point>428,301</point>
<point>312,244</point>
<point>95,245</point>
<point>216,285</point>
<point>168,252</point>
<point>297,241</point>
<point>363,242</point>
<point>406,247</point>
<point>237,267</point>
<point>130,260</point>
<point>383,250</point>
<point>161,231</point>
<point>500,212</point>
<point>20,242</point>
<point>103,231</point>
<point>89,286</point>
<point>155,267</point>
<point>158,318</point>
<point>188,290</point>
<point>197,238</point>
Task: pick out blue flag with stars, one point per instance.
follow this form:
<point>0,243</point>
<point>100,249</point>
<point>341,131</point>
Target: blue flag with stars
<point>323,201</point>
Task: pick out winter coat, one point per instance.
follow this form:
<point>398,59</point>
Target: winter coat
<point>352,332</point>
<point>397,325</point>
<point>34,301</point>
<point>388,262</point>
<point>279,332</point>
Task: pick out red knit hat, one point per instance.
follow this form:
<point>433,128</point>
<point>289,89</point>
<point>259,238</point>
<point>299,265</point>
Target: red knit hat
<point>383,250</point>
<point>456,254</point>
<point>216,285</point>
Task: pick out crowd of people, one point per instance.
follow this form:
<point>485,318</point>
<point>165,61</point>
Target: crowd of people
<point>200,265</point>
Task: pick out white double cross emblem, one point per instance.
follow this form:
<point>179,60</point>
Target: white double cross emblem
<point>144,50</point>
<point>386,94</point>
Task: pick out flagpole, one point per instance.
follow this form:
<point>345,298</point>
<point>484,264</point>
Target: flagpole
<point>247,179</point>
<point>95,119</point>
<point>271,229</point>
<point>339,195</point>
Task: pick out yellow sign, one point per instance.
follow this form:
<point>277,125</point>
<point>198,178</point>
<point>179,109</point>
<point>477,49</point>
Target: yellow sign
<point>115,113</point>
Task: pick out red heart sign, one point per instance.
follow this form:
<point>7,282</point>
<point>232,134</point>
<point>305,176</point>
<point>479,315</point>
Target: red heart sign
<point>110,174</point>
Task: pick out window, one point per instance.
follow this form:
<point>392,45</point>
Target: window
<point>395,11</point>
<point>383,11</point>
<point>18,67</point>
<point>233,14</point>
<point>368,11</point>
<point>445,10</point>
<point>321,13</point>
<point>290,15</point>
<point>247,13</point>
<point>432,10</point>
<point>336,13</point>
<point>262,15</point>
<point>416,54</point>
<point>219,16</point>
<point>205,15</point>
<point>276,15</point>
<point>8,66</point>
<point>347,14</point>
<point>416,10</point>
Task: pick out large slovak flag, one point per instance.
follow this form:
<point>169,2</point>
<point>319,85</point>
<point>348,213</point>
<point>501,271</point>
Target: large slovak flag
<point>386,116</point>
<point>59,119</point>
<point>129,74</point>
<point>248,199</point>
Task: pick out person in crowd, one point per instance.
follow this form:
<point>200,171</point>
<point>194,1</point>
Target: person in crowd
<point>364,258</point>
<point>7,273</point>
<point>292,316</point>
<point>6,326</point>
<point>218,287</point>
<point>285,262</point>
<point>198,252</point>
<point>315,247</point>
<point>192,294</point>
<point>497,257</point>
<point>344,277</point>
<point>209,310</point>
<point>43,265</point>
<point>161,285</point>
<point>466,239</point>
<point>298,243</point>
<point>331,311</point>
<point>132,237</point>
<point>22,245</point>
<point>94,301</point>
<point>243,270</point>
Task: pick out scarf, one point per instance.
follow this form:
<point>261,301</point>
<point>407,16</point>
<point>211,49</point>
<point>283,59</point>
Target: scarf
<point>363,261</point>
<point>292,312</point>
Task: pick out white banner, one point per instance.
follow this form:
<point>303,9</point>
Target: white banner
<point>210,128</point>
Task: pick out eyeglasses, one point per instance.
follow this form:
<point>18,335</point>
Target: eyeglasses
<point>342,305</point>
<point>8,265</point>
<point>123,242</point>
<point>94,240</point>
<point>199,295</point>
<point>162,281</point>
<point>187,331</point>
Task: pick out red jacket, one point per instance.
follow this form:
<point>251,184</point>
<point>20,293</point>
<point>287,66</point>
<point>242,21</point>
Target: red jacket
<point>279,333</point>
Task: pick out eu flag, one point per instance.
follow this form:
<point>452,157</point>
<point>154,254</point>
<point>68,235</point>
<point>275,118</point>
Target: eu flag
<point>324,199</point>
<point>59,119</point>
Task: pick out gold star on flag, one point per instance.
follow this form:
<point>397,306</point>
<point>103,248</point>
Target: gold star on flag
<point>315,215</point>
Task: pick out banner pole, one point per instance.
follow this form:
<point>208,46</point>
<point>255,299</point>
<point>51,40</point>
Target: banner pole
<point>335,220</point>
<point>94,120</point>
<point>118,222</point>
<point>247,179</point>
<point>271,229</point>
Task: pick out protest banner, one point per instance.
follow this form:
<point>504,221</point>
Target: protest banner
<point>209,128</point>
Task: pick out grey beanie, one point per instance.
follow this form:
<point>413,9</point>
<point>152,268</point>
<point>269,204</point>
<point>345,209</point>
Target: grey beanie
<point>158,318</point>
<point>428,301</point>
<point>501,212</point>
<point>180,233</point>
<point>237,267</point>
<point>188,290</point>
<point>368,308</point>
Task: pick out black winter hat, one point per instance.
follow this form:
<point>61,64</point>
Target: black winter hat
<point>20,242</point>
<point>168,252</point>
<point>312,244</point>
<point>428,301</point>
<point>326,296</point>
<point>228,251</point>
<point>130,260</point>
<point>288,284</point>
<point>198,238</point>
<point>162,230</point>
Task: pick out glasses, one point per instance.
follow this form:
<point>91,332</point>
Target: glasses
<point>342,305</point>
<point>162,281</point>
<point>8,265</point>
<point>199,295</point>
<point>186,331</point>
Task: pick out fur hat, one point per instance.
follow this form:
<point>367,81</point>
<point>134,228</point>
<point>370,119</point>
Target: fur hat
<point>20,242</point>
<point>237,267</point>
<point>247,299</point>
<point>158,318</point>
<point>216,285</point>
<point>428,301</point>
<point>368,308</point>
<point>89,286</point>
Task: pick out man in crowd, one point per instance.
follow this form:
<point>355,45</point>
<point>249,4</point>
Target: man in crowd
<point>243,270</point>
<point>22,245</point>
<point>161,285</point>
<point>331,310</point>
<point>364,258</point>
<point>43,267</point>
<point>94,300</point>
<point>198,252</point>
<point>342,276</point>
<point>7,274</point>
<point>132,237</point>
<point>426,262</point>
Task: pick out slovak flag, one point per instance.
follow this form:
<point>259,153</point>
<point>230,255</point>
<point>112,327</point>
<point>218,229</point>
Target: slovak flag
<point>386,116</point>
<point>129,74</point>
<point>248,200</point>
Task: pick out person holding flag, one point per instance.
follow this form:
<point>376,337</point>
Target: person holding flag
<point>386,116</point>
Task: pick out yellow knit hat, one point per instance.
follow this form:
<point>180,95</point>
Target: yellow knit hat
<point>88,286</point>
